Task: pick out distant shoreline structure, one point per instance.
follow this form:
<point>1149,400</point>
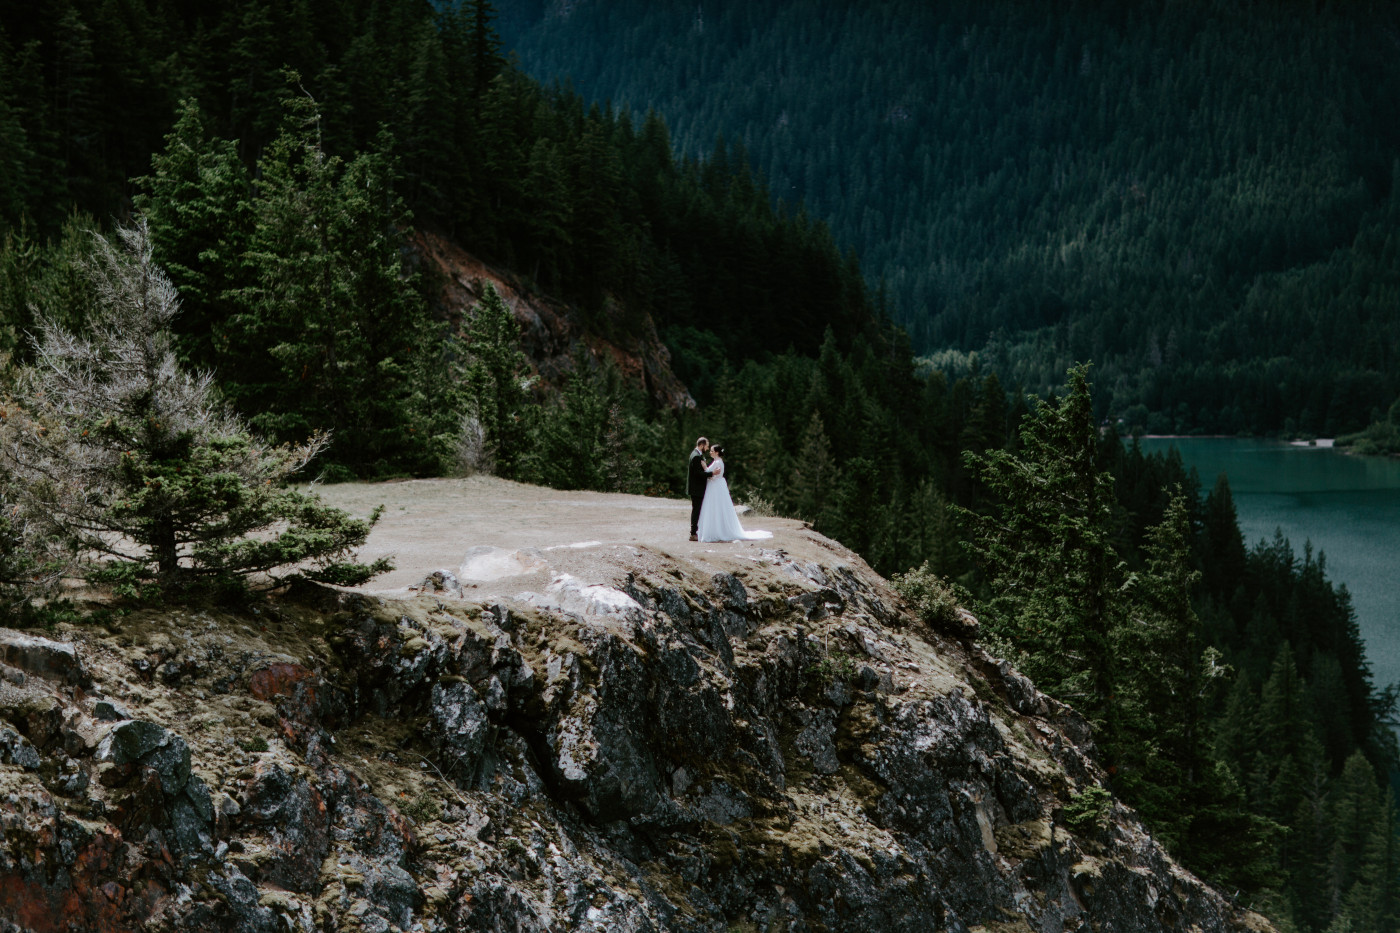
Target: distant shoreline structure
<point>1321,443</point>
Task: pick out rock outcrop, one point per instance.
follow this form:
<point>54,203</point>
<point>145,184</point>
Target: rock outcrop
<point>664,747</point>
<point>552,330</point>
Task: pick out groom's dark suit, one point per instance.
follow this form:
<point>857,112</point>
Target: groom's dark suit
<point>695,478</point>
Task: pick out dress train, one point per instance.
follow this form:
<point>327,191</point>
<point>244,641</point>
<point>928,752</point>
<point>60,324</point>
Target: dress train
<point>718,520</point>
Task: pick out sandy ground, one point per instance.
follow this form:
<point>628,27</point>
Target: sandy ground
<point>500,536</point>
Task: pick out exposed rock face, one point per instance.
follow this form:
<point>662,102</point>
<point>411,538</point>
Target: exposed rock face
<point>668,749</point>
<point>38,655</point>
<point>550,330</point>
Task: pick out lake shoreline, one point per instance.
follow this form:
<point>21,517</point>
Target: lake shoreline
<point>1324,442</point>
<point>1317,443</point>
<point>1347,505</point>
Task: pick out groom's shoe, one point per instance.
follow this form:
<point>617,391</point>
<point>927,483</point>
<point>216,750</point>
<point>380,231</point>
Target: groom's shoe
<point>695,537</point>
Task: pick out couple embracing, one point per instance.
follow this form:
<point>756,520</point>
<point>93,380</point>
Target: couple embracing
<point>712,516</point>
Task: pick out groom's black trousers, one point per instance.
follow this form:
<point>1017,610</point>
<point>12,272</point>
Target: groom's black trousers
<point>695,503</point>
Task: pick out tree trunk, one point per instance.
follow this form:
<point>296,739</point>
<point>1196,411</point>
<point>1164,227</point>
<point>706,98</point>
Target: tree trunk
<point>163,549</point>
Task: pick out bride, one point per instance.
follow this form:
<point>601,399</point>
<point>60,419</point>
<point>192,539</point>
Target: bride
<point>718,521</point>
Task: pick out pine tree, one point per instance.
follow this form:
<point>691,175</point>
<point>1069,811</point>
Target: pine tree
<point>1373,903</point>
<point>1287,781</point>
<point>428,115</point>
<point>570,437</point>
<point>1045,547</point>
<point>501,150</point>
<point>16,150</point>
<point>483,43</point>
<point>852,516</point>
<point>1286,736</point>
<point>1355,802</point>
<point>768,463</point>
<point>1224,551</point>
<point>1161,745</point>
<point>20,264</point>
<point>1168,588</point>
<point>985,428</point>
<point>253,57</point>
<point>350,345</point>
<point>620,469</point>
<point>597,232</point>
<point>496,379</point>
<point>44,279</point>
<point>932,531</point>
<point>72,108</point>
<point>138,467</point>
<point>550,214</point>
<point>198,204</point>
<point>815,473</point>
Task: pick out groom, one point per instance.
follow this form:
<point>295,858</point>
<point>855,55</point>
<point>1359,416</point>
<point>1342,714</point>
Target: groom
<point>695,478</point>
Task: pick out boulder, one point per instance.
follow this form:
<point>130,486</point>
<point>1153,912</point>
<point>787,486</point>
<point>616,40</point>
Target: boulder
<point>107,711</point>
<point>137,741</point>
<point>459,727</point>
<point>16,750</point>
<point>441,581</point>
<point>815,742</point>
<point>130,740</point>
<point>568,594</point>
<point>45,657</point>
<point>493,563</point>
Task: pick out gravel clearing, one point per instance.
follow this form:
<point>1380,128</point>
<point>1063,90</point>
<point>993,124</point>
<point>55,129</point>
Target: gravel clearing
<point>499,536</point>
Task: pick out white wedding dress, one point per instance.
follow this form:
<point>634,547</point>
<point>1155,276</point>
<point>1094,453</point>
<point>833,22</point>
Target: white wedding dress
<point>718,520</point>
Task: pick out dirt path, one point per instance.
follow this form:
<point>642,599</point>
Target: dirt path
<point>502,537</point>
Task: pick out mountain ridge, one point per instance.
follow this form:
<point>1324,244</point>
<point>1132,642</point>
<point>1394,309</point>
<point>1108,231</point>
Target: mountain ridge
<point>1199,197</point>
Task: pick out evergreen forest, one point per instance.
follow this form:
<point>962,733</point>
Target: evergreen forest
<point>1199,196</point>
<point>274,160</point>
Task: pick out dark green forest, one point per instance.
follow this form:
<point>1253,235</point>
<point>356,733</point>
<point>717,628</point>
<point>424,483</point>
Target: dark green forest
<point>1199,196</point>
<point>281,156</point>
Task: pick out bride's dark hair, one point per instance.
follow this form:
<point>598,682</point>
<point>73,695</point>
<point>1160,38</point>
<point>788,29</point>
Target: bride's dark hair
<point>718,450</point>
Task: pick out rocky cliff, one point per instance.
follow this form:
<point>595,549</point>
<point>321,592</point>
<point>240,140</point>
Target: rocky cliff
<point>551,330</point>
<point>603,736</point>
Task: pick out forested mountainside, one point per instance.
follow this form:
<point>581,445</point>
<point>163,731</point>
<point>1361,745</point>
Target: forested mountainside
<point>282,156</point>
<point>588,204</point>
<point>1201,197</point>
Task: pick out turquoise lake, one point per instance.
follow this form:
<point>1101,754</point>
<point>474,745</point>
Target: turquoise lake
<point>1348,507</point>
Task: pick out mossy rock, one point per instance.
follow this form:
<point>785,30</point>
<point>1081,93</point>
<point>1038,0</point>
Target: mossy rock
<point>1024,840</point>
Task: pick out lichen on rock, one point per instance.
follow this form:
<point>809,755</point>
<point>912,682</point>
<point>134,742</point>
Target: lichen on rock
<point>769,742</point>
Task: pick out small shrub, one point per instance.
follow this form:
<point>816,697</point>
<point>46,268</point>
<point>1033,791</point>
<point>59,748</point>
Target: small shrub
<point>254,745</point>
<point>761,507</point>
<point>423,808</point>
<point>129,580</point>
<point>1087,811</point>
<point>831,667</point>
<point>933,598</point>
<point>31,566</point>
<point>102,615</point>
<point>54,613</point>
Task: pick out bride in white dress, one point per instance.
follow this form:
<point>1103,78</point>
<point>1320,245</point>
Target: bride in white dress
<point>718,520</point>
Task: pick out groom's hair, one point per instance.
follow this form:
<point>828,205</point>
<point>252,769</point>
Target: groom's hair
<point>701,440</point>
